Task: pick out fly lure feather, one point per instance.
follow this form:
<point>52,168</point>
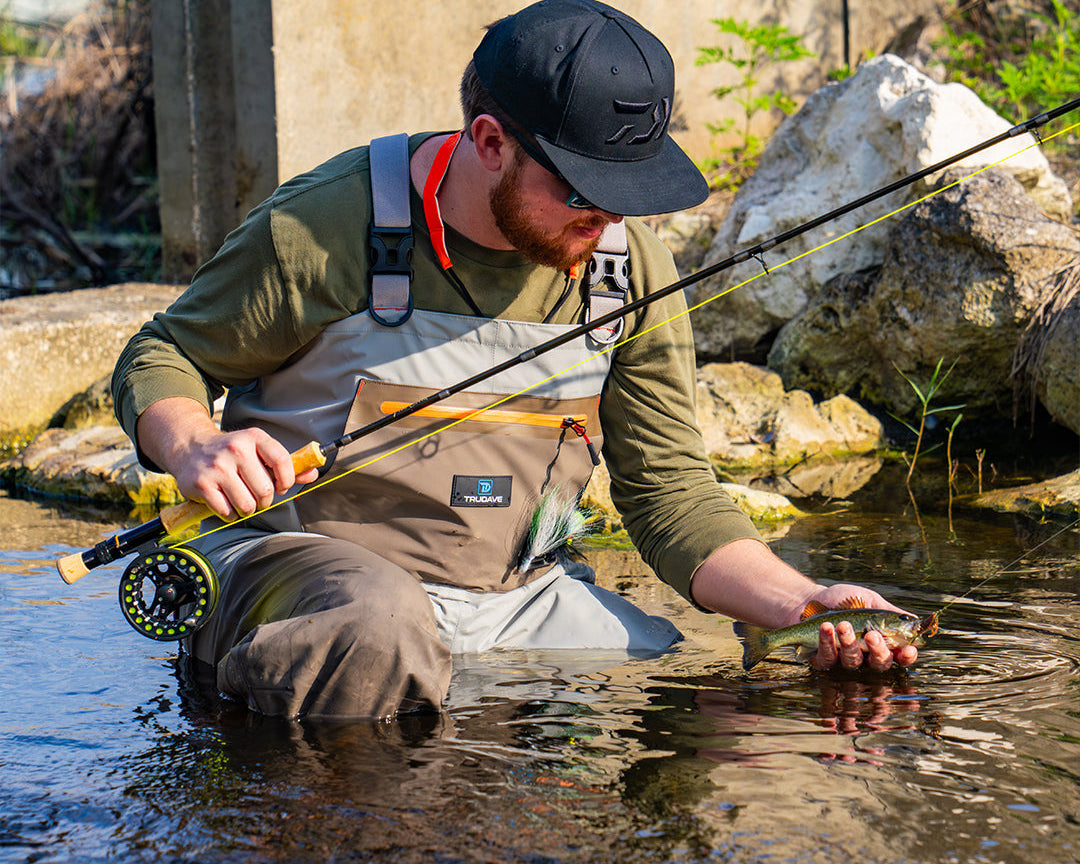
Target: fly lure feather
<point>556,524</point>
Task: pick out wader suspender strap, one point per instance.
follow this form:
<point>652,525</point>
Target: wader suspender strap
<point>390,302</point>
<point>390,236</point>
<point>610,267</point>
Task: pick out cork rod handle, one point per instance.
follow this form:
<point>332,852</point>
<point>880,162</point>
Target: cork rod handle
<point>180,517</point>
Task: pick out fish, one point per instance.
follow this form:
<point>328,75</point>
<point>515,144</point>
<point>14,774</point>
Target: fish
<point>898,628</point>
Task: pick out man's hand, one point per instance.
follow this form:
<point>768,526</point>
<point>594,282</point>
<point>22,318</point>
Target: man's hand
<point>233,473</point>
<point>747,582</point>
<point>840,646</point>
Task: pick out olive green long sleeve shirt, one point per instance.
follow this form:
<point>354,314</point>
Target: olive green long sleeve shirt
<point>300,262</point>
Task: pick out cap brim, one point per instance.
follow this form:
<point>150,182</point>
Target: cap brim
<point>663,183</point>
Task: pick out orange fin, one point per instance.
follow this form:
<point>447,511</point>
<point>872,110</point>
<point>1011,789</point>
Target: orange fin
<point>813,608</point>
<point>816,608</point>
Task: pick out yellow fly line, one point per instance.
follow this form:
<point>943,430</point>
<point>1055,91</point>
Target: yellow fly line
<point>470,415</point>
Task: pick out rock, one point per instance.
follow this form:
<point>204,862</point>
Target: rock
<point>1058,368</point>
<point>747,419</point>
<point>92,407</point>
<point>55,345</point>
<point>1046,364</point>
<point>763,507</point>
<point>833,479</point>
<point>97,464</point>
<point>1058,495</point>
<point>962,275</point>
<point>688,233</point>
<point>848,139</point>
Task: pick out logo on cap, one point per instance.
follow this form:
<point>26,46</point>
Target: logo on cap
<point>659,114</point>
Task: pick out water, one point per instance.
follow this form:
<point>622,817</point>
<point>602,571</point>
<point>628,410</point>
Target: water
<point>107,752</point>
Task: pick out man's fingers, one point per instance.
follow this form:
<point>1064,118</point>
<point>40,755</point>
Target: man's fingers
<point>878,652</point>
<point>851,655</point>
<point>278,464</point>
<point>826,655</point>
<point>257,491</point>
<point>840,645</point>
<point>907,655</point>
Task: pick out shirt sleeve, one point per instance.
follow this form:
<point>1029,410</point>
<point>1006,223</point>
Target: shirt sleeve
<point>662,480</point>
<point>235,322</point>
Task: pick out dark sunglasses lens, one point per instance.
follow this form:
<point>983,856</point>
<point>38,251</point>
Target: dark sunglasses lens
<point>579,201</point>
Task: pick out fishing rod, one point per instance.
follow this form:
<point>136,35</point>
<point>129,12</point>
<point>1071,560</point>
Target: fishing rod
<point>178,518</point>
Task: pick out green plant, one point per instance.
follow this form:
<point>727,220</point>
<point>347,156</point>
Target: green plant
<point>20,40</point>
<point>758,46</point>
<point>1020,65</point>
<point>937,379</point>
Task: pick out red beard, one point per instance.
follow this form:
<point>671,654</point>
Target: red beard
<point>550,250</point>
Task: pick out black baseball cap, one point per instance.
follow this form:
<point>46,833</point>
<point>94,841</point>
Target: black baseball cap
<point>595,89</point>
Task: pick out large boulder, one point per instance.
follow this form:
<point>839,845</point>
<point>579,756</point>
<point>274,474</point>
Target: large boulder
<point>749,420</point>
<point>97,463</point>
<point>1047,362</point>
<point>53,346</point>
<point>1058,367</point>
<point>849,138</point>
<point>963,274</point>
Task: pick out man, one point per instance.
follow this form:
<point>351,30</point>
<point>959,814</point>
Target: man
<point>350,599</point>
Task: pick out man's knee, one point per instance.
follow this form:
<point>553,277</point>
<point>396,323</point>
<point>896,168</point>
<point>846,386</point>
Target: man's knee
<point>323,627</point>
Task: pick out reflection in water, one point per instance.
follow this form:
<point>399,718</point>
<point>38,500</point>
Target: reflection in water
<point>114,750</point>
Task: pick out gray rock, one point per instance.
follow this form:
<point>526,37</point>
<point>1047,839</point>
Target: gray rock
<point>1058,369</point>
<point>848,139</point>
<point>1046,367</point>
<point>1060,495</point>
<point>55,345</point>
<point>962,275</point>
<point>97,463</point>
<point>748,419</point>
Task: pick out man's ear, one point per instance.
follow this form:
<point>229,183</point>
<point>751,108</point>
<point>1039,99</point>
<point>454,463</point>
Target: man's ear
<point>492,142</point>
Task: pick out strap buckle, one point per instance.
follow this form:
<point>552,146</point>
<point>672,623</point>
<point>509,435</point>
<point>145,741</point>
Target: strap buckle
<point>396,259</point>
<point>610,266</point>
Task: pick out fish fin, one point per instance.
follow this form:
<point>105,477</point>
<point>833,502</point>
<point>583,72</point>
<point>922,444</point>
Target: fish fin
<point>755,648</point>
<point>816,608</point>
<point>813,608</point>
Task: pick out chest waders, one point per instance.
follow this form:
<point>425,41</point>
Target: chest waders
<point>455,508</point>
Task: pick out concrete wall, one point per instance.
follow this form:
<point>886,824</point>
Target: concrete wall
<point>251,92</point>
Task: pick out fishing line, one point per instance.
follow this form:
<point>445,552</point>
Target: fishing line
<point>766,271</point>
<point>1004,569</point>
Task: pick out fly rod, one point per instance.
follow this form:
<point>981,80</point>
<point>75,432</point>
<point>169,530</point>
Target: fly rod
<point>177,518</point>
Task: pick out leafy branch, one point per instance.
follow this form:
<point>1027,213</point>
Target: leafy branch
<point>758,46</point>
<point>937,379</point>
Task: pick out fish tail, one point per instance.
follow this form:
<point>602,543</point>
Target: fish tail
<point>755,645</point>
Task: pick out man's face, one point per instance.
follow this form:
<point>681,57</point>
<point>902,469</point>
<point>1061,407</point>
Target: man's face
<point>529,206</point>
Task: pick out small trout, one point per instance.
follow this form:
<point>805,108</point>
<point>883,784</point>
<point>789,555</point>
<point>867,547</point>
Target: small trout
<point>898,628</point>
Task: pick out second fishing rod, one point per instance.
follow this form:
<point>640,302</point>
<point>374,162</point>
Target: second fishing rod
<point>174,520</point>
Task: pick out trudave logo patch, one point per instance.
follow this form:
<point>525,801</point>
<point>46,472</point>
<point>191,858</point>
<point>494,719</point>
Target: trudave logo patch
<point>484,490</point>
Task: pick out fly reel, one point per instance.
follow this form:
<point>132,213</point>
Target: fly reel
<point>168,593</point>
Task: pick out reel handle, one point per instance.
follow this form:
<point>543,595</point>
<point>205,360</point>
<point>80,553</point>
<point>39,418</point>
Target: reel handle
<point>171,520</point>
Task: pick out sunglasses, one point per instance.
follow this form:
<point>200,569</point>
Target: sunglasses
<point>575,199</point>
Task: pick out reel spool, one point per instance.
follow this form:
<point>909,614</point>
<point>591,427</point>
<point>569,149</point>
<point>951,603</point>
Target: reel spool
<point>168,593</point>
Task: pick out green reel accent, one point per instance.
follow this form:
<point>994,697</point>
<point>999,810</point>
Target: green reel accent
<point>182,589</point>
